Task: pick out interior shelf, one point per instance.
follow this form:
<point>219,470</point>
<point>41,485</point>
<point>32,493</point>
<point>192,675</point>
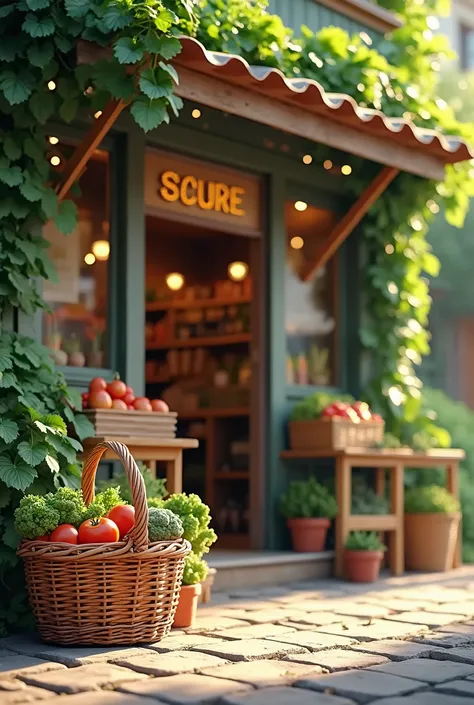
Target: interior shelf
<point>210,341</point>
<point>195,303</point>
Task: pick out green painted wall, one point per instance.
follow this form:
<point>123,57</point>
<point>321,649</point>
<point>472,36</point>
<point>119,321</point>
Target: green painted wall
<point>295,13</point>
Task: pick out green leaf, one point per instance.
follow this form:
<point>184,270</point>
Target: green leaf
<point>9,381</point>
<point>63,446</point>
<point>5,496</point>
<point>170,47</point>
<point>32,190</point>
<point>56,422</point>
<point>176,103</point>
<point>5,360</point>
<point>11,537</point>
<point>83,426</point>
<point>151,85</point>
<point>38,4</point>
<point>42,105</point>
<point>128,51</point>
<point>11,148</point>
<point>148,114</point>
<point>16,474</point>
<point>49,203</point>
<point>115,19</point>
<point>170,70</point>
<point>40,54</point>
<point>66,217</point>
<point>9,48</point>
<point>52,463</point>
<point>10,175</point>
<point>164,20</point>
<point>9,430</point>
<point>38,26</point>
<point>7,10</point>
<point>77,8</point>
<point>68,109</point>
<point>32,453</point>
<point>16,87</point>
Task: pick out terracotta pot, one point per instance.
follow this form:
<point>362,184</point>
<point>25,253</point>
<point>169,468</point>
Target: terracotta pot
<point>76,359</point>
<point>187,606</point>
<point>308,535</point>
<point>362,566</point>
<point>430,541</point>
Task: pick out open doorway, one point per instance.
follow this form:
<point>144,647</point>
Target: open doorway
<point>202,292</point>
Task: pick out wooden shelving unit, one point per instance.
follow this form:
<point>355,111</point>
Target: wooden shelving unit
<point>195,303</point>
<point>206,341</point>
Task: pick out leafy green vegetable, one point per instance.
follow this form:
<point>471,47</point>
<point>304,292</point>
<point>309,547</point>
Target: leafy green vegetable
<point>103,503</point>
<point>155,486</point>
<point>364,541</point>
<point>430,500</point>
<point>311,407</point>
<point>308,499</point>
<point>195,516</point>
<point>163,525</point>
<point>35,517</point>
<point>69,504</point>
<point>195,570</point>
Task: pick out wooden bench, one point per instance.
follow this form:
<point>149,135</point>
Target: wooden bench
<point>151,450</point>
<point>395,462</point>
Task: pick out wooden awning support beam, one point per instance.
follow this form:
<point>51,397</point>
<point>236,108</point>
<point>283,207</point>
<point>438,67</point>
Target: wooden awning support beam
<point>351,219</point>
<point>91,141</point>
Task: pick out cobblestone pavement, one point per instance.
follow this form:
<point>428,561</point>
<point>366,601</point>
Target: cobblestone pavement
<point>402,641</point>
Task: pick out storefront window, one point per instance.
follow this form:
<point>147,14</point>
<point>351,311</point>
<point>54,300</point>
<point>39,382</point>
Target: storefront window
<point>76,328</point>
<point>310,312</point>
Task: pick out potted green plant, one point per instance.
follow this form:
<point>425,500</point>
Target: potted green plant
<point>308,508</point>
<point>432,524</point>
<point>363,555</point>
<point>196,518</point>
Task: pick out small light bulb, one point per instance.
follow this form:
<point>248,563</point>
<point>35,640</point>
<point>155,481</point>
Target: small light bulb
<point>346,169</point>
<point>53,140</point>
<point>101,250</point>
<point>51,85</point>
<point>389,249</point>
<point>297,242</point>
<point>98,114</point>
<point>307,159</point>
<point>196,113</point>
<point>301,206</point>
<point>55,160</point>
<point>89,258</point>
<point>174,281</point>
<point>327,164</point>
<point>237,271</point>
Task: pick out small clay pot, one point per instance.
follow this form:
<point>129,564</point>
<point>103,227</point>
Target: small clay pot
<point>308,535</point>
<point>362,566</point>
<point>59,357</point>
<point>187,606</point>
<point>76,359</point>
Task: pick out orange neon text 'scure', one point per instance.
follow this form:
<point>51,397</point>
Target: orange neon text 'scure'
<point>206,195</point>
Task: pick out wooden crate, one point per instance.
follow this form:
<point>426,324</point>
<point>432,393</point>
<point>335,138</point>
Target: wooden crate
<point>115,422</point>
<point>334,433</point>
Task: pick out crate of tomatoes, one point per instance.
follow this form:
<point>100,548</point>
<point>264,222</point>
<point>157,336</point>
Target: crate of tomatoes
<point>100,571</point>
<point>339,425</point>
<point>114,410</point>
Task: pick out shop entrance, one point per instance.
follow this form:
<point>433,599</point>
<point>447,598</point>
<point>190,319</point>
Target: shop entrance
<point>203,280</point>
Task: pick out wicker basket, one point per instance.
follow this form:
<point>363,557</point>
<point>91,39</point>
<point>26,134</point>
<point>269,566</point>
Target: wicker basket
<point>334,434</point>
<point>110,593</point>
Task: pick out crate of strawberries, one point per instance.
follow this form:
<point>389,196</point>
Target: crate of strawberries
<point>320,422</point>
<point>114,410</point>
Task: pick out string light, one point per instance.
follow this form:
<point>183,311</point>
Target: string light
<point>174,281</point>
<point>55,160</point>
<point>389,249</point>
<point>51,85</point>
<point>346,169</point>
<point>297,242</point>
<point>196,113</point>
<point>237,271</point>
<point>98,114</point>
<point>301,206</point>
<point>327,164</point>
<point>89,258</point>
<point>307,159</point>
<point>53,140</point>
<point>101,250</point>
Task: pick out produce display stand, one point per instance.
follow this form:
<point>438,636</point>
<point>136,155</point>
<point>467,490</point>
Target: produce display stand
<point>150,450</point>
<point>395,461</point>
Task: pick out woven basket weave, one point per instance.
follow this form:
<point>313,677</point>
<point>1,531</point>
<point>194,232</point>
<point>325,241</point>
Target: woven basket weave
<point>111,593</point>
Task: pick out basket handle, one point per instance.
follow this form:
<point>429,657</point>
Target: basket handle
<point>139,533</point>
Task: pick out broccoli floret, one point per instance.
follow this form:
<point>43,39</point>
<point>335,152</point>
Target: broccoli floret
<point>35,517</point>
<point>103,503</point>
<point>69,504</point>
<point>163,525</point>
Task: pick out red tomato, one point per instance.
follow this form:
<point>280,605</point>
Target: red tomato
<point>129,398</point>
<point>329,411</point>
<point>100,400</point>
<point>101,530</point>
<point>117,389</point>
<point>98,384</point>
<point>142,404</point>
<point>124,516</point>
<point>159,405</point>
<point>130,391</point>
<point>45,537</point>
<point>130,407</point>
<point>65,533</point>
<point>377,418</point>
<point>119,404</point>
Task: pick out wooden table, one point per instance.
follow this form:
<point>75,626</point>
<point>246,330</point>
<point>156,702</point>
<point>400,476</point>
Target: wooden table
<point>395,461</point>
<point>150,450</point>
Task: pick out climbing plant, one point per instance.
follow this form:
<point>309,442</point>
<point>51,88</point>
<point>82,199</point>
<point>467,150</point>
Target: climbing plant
<point>41,79</point>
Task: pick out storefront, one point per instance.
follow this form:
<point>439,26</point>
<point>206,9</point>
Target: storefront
<point>216,264</point>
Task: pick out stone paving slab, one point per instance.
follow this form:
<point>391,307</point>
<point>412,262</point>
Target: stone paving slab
<point>285,696</point>
<point>255,631</point>
<point>187,689</point>
<point>101,697</point>
<point>338,659</point>
<point>314,641</point>
<point>466,609</point>
<point>426,698</point>
<point>463,688</point>
<point>461,654</point>
<point>213,623</point>
<point>444,641</point>
<point>170,664</point>
<point>24,694</point>
<point>427,670</point>
<point>362,686</point>
<point>397,650</point>
<point>397,604</point>
<point>251,649</point>
<point>263,616</point>
<point>83,678</point>
<point>182,642</point>
<point>428,619</point>
<point>16,664</point>
<point>265,674</point>
<point>373,629</point>
<point>465,629</point>
<point>363,610</point>
<point>317,619</point>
